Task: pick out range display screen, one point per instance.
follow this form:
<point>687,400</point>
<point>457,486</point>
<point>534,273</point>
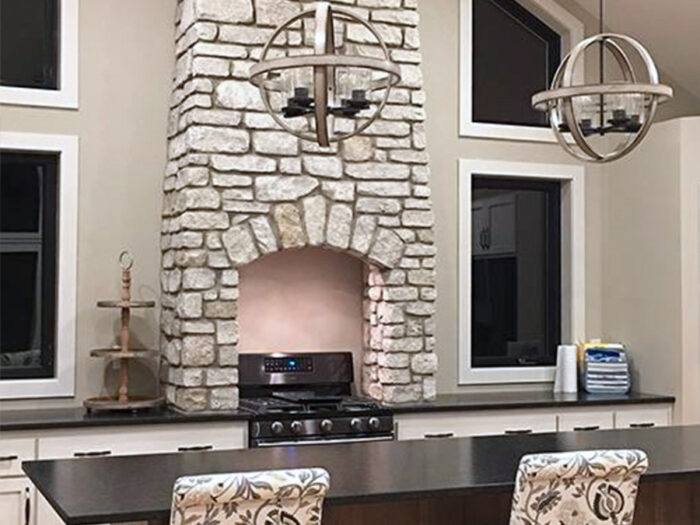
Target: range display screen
<point>276,365</point>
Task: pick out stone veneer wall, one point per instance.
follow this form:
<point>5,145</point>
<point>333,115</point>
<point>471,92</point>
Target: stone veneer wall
<point>237,188</point>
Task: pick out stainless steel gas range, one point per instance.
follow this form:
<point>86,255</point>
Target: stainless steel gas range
<point>307,399</point>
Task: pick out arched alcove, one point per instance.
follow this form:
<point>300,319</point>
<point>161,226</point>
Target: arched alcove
<point>302,300</point>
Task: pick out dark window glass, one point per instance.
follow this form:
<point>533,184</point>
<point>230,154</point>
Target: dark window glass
<point>516,272</point>
<point>515,55</point>
<point>29,43</point>
<point>28,184</point>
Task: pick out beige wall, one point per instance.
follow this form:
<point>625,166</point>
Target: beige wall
<point>651,244</point>
<point>125,63</point>
<point>440,41</point>
<point>126,58</point>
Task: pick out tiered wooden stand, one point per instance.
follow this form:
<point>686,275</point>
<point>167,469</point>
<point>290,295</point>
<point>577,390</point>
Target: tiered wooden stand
<point>123,400</point>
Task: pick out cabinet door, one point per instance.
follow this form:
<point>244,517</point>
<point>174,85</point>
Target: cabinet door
<point>643,417</point>
<point>586,420</point>
<point>464,424</point>
<point>16,501</point>
<point>151,439</point>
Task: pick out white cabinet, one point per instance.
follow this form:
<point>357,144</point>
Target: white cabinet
<point>13,451</point>
<point>586,420</point>
<point>16,501</point>
<point>526,421</point>
<point>151,439</point>
<point>474,423</point>
<point>146,439</point>
<point>642,416</point>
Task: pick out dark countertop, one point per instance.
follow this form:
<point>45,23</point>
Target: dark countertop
<point>77,417</point>
<point>526,399</point>
<point>95,490</point>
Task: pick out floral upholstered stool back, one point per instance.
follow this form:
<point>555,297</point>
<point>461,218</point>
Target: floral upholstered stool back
<point>275,497</point>
<point>595,487</point>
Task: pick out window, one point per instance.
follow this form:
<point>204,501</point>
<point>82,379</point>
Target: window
<point>38,236</point>
<point>28,221</point>
<point>38,52</point>
<point>510,50</point>
<point>521,268</point>
<point>516,272</point>
<point>514,55</point>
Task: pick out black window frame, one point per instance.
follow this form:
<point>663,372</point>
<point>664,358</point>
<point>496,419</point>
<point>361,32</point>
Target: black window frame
<point>543,31</point>
<point>553,261</point>
<point>51,77</point>
<point>47,240</point>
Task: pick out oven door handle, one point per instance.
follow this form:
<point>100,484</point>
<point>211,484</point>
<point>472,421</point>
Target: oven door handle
<point>324,441</point>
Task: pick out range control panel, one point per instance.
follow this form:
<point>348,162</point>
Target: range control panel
<point>276,365</point>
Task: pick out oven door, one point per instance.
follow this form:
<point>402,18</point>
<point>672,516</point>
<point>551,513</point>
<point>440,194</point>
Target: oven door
<point>314,440</point>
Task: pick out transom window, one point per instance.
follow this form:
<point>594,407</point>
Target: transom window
<point>39,53</point>
<point>514,55</point>
<point>28,258</point>
<point>29,43</point>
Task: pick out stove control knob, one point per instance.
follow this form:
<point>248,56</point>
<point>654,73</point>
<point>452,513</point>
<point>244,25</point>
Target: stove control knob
<point>356,424</point>
<point>277,428</point>
<point>326,425</point>
<point>374,423</point>
<point>296,427</point>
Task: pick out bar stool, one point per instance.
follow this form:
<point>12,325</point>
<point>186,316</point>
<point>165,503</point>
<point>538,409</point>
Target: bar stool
<point>595,487</point>
<point>273,497</point>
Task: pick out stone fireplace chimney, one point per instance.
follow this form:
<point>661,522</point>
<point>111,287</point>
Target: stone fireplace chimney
<point>237,188</point>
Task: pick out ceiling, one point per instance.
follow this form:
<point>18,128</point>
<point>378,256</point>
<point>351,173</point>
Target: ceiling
<point>669,29</point>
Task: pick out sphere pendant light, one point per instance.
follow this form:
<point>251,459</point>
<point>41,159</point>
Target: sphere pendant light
<point>306,92</point>
<point>608,119</point>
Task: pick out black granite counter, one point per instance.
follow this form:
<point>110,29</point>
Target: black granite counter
<point>526,399</point>
<point>77,417</point>
<point>88,491</point>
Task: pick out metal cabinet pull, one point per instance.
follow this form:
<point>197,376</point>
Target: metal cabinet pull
<point>195,448</point>
<point>8,458</point>
<point>439,435</point>
<point>519,431</point>
<point>27,506</point>
<point>588,428</point>
<point>648,424</point>
<point>92,454</point>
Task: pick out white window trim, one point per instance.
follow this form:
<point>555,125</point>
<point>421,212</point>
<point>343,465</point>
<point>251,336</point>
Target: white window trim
<point>573,262</point>
<point>66,96</point>
<point>571,29</point>
<point>63,383</point>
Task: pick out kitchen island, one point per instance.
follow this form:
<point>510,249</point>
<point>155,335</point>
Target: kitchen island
<point>466,481</point>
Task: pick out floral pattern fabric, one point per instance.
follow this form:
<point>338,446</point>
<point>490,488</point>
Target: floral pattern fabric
<point>596,487</point>
<point>276,497</point>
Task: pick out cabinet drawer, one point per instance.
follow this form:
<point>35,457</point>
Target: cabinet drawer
<point>585,420</point>
<point>13,452</point>
<point>463,424</point>
<point>643,417</point>
<point>143,440</point>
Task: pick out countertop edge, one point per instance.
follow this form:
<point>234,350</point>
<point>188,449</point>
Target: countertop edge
<point>519,405</point>
<point>52,419</point>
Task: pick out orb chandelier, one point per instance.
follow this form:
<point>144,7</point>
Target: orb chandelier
<point>608,119</point>
<point>306,93</point>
